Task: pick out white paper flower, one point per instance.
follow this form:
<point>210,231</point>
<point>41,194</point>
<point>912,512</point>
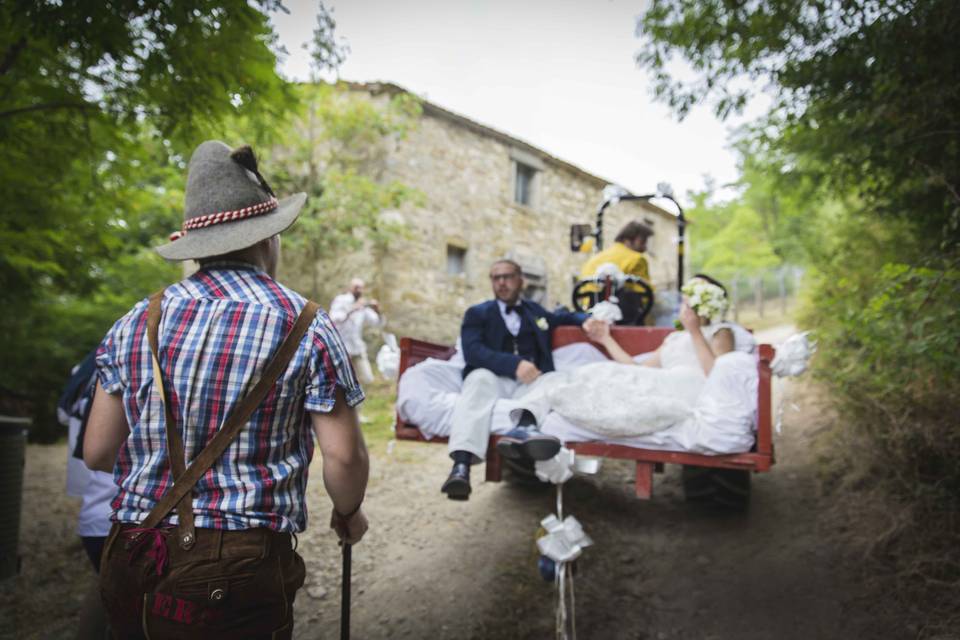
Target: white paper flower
<point>612,271</point>
<point>543,324</point>
<point>613,192</point>
<point>388,357</point>
<point>793,355</point>
<point>565,539</point>
<point>606,311</point>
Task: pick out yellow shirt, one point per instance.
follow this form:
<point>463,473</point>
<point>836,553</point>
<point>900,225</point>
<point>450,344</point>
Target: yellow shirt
<point>630,262</point>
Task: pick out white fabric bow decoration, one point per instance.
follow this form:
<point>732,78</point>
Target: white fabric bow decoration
<point>612,271</point>
<point>388,357</point>
<point>613,192</point>
<point>793,356</point>
<point>564,466</point>
<point>565,539</point>
<point>606,311</point>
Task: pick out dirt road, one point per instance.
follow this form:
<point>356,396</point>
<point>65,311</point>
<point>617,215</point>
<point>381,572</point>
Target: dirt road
<point>432,568</point>
<point>660,569</point>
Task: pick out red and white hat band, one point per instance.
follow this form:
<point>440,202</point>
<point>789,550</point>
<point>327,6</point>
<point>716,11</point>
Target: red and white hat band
<point>219,217</point>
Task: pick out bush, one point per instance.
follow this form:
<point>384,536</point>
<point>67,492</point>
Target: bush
<point>888,323</point>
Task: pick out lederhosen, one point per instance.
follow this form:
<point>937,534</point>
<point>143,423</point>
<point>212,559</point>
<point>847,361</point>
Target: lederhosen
<point>182,582</point>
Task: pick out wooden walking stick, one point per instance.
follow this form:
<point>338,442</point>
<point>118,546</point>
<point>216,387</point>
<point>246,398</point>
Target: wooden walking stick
<point>345,594</point>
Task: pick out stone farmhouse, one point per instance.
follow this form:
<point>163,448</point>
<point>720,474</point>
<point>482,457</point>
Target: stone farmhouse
<point>487,195</point>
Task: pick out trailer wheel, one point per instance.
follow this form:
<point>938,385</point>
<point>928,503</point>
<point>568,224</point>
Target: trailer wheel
<point>726,489</point>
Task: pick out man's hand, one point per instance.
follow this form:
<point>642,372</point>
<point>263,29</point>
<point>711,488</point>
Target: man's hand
<point>689,318</point>
<point>527,372</point>
<point>595,329</point>
<point>350,529</point>
<point>373,304</point>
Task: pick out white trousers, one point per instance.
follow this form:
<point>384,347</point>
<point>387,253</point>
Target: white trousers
<point>473,410</point>
<point>537,399</point>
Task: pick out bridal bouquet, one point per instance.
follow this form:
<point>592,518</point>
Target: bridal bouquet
<point>706,299</point>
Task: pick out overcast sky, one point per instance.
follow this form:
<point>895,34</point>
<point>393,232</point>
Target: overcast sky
<point>559,74</point>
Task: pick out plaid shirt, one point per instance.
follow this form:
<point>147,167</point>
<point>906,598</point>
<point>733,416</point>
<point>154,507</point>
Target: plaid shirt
<point>218,330</point>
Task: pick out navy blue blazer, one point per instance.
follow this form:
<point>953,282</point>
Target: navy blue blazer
<point>483,333</point>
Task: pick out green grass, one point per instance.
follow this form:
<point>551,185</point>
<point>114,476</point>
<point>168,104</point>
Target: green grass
<point>378,410</point>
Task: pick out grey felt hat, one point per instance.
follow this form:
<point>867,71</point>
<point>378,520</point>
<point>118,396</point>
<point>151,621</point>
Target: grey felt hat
<point>228,205</point>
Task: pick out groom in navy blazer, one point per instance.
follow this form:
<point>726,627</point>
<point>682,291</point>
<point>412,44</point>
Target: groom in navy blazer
<point>506,345</point>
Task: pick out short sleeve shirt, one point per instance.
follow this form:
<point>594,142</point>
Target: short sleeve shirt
<point>219,328</point>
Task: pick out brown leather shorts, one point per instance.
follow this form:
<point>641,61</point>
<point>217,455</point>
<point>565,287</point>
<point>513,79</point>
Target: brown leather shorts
<point>230,584</point>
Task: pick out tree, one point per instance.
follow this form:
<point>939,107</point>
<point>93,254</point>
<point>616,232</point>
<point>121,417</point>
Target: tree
<point>334,148</point>
<point>856,168</point>
<point>79,82</point>
<point>99,105</point>
<point>865,92</point>
<point>335,151</point>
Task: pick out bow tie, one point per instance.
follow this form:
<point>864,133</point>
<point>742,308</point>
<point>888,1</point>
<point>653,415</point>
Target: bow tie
<point>514,309</point>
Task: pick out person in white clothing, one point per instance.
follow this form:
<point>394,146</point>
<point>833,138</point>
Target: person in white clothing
<point>96,489</point>
<point>350,312</point>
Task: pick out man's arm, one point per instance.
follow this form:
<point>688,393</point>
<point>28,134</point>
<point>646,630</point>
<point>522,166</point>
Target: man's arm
<point>565,318</point>
<point>477,354</point>
<point>341,307</point>
<point>371,315</point>
<point>346,466</point>
<point>107,429</point>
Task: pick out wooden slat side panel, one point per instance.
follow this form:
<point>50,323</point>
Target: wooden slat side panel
<point>752,461</point>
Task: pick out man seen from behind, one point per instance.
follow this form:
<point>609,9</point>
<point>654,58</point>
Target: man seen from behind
<point>210,397</point>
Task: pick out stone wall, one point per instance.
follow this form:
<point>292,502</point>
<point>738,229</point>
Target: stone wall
<point>466,173</point>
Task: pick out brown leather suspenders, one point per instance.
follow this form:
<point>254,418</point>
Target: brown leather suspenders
<point>180,494</point>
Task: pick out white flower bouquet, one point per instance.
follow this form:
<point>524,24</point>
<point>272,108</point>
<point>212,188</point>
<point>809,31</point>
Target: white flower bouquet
<point>705,298</point>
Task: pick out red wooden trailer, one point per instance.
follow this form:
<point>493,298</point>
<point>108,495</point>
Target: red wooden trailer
<point>723,480</point>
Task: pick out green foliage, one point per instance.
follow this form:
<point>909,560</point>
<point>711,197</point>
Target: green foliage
<point>326,53</point>
<point>740,245</point>
<point>865,91</point>
<point>889,351</point>
<point>334,151</point>
<point>890,342</point>
<point>753,232</point>
<point>99,105</point>
<point>855,171</point>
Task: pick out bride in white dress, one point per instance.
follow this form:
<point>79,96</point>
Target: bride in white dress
<point>671,403</point>
<point>673,386</point>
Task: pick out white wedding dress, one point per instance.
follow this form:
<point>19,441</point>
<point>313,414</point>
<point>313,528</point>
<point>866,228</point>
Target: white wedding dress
<point>592,398</point>
<point>616,400</point>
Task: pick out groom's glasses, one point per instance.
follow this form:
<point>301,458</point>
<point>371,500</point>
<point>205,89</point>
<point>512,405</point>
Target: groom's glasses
<point>503,276</point>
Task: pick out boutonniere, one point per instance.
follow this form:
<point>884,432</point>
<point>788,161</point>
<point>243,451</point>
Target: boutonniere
<point>543,324</point>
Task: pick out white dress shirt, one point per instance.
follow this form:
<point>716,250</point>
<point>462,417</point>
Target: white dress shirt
<point>512,320</point>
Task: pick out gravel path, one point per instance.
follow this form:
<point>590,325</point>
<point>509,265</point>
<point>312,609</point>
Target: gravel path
<point>433,568</point>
